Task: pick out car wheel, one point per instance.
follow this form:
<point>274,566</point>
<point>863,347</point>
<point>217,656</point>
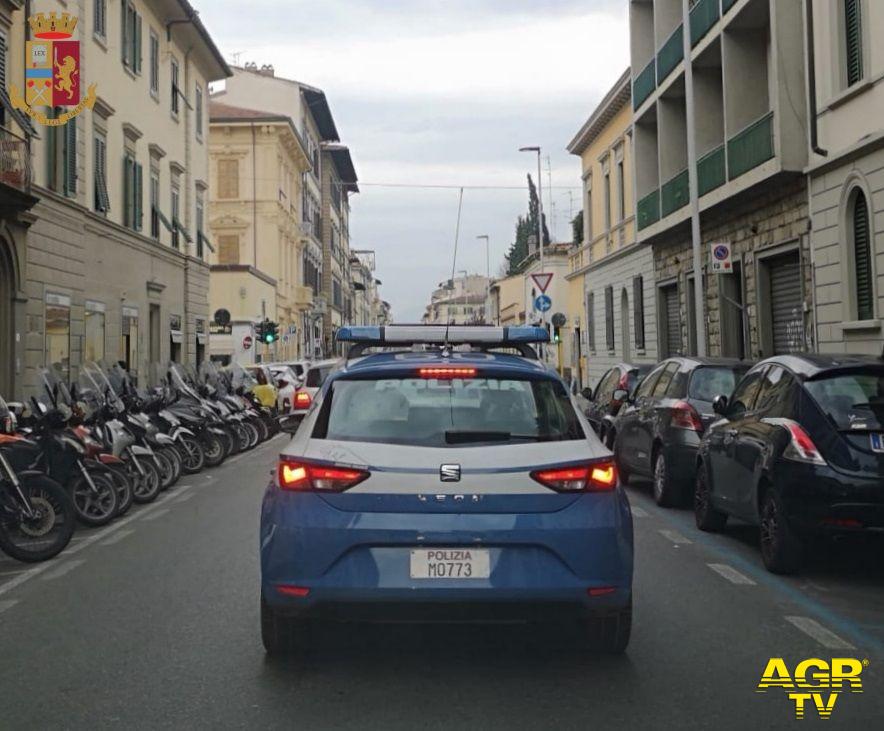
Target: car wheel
<point>622,471</point>
<point>781,549</point>
<point>610,634</point>
<point>664,490</point>
<point>706,516</point>
<point>281,635</point>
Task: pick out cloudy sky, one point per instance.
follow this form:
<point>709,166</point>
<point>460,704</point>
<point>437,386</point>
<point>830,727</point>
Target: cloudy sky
<point>440,92</point>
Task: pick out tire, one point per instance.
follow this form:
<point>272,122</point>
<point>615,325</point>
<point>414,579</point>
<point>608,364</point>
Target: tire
<point>282,635</point>
<point>262,428</point>
<point>254,434</point>
<point>45,538</point>
<point>147,486</point>
<point>707,517</point>
<point>781,549</point>
<point>193,454</point>
<point>213,449</point>
<point>174,457</point>
<point>609,634</point>
<point>125,492</point>
<point>167,470</point>
<point>622,470</point>
<point>243,438</point>
<point>666,493</point>
<point>94,507</point>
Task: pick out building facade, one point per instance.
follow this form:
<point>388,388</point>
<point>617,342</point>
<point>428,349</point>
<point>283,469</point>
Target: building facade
<point>750,134</point>
<point>611,272</point>
<point>458,301</point>
<point>114,261</point>
<point>846,174</point>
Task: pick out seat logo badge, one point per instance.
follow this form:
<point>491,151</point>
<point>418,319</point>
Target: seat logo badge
<point>449,473</point>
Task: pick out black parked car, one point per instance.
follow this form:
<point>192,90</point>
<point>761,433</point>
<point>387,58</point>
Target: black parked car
<point>603,407</point>
<point>658,431</point>
<point>799,452</point>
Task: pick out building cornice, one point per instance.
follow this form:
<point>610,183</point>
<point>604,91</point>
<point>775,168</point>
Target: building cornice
<point>617,97</point>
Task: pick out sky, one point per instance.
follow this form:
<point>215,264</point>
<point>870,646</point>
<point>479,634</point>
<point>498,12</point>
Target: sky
<point>441,92</point>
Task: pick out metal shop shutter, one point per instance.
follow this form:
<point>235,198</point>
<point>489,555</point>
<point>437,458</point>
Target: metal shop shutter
<point>786,304</point>
<point>673,319</point>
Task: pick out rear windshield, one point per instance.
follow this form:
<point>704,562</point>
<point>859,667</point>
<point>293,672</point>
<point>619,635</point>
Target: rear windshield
<point>316,376</point>
<point>853,401</point>
<point>707,382</point>
<point>444,413</point>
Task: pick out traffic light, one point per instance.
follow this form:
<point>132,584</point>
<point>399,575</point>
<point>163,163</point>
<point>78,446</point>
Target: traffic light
<point>271,332</point>
<point>557,335</point>
<point>260,329</point>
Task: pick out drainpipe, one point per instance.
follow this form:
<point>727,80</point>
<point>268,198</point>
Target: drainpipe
<point>811,80</point>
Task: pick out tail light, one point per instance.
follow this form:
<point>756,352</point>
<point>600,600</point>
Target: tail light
<point>298,475</point>
<point>447,373</point>
<point>592,477</point>
<point>303,400</point>
<point>685,416</point>
<point>801,447</point>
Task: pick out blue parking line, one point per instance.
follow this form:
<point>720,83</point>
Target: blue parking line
<point>764,577</point>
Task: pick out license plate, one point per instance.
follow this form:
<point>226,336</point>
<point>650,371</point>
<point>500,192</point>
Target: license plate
<point>450,563</point>
<point>877,442</point>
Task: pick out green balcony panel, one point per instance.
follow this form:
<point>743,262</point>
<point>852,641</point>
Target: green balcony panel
<point>727,5</point>
<point>674,194</point>
<point>670,54</point>
<point>643,85</point>
<point>751,147</point>
<point>711,172</point>
<point>648,210</point>
<point>703,17</point>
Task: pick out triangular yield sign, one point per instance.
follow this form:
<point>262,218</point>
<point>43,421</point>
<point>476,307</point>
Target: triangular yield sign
<point>542,281</point>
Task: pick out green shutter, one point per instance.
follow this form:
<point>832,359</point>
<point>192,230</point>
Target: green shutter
<point>138,207</point>
<point>136,52</point>
<point>865,302</point>
<point>853,39</point>
<point>128,192</point>
<point>70,158</point>
<point>124,35</point>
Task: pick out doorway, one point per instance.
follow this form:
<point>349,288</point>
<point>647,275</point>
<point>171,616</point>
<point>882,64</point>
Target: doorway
<point>624,324</point>
<point>154,332</point>
<point>732,314</point>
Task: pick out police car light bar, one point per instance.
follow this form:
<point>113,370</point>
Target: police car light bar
<point>442,334</point>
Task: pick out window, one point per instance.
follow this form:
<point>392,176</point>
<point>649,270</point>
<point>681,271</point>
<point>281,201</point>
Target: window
<point>228,249</point>
<point>61,157</point>
<point>69,132</point>
<point>851,398</point>
<point>93,341</point>
<point>133,198</point>
<point>663,382</point>
<point>708,382</point>
<point>57,344</point>
<point>154,64</point>
<point>587,209</point>
<point>607,201</point>
<point>175,92</point>
<point>99,173</point>
<point>228,178</point>
<point>744,396</point>
<point>774,398</point>
<point>621,192</point>
<point>130,37</point>
<point>199,224</point>
<point>862,256</point>
<point>99,18</point>
<point>853,44</point>
<point>129,339</point>
<point>590,320</point>
<point>337,294</point>
<point>609,318</point>
<point>198,111</point>
<point>638,305</point>
<point>155,204</point>
<point>647,385</point>
<point>176,212</point>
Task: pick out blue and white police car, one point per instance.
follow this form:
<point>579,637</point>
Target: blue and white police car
<point>444,473</point>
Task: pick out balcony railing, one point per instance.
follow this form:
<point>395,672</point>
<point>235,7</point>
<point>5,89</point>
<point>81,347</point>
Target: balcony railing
<point>648,210</point>
<point>674,193</point>
<point>670,54</point>
<point>15,162</point>
<point>751,147</point>
<point>643,84</point>
<point>711,172</point>
<point>703,17</point>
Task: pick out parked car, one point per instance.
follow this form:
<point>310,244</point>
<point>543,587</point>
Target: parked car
<point>657,432</point>
<point>265,390</point>
<point>313,379</point>
<point>299,367</point>
<point>798,451</point>
<point>287,383</point>
<point>603,407</point>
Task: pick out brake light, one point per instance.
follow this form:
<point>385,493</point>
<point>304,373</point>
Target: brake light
<point>801,447</point>
<point>304,476</point>
<point>447,373</point>
<point>292,590</point>
<point>303,400</point>
<point>685,416</point>
<point>593,477</point>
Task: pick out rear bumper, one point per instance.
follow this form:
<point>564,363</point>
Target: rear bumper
<point>357,565</point>
<point>681,455</point>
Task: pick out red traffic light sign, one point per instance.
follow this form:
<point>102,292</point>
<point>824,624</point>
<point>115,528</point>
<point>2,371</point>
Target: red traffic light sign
<point>542,280</point>
<point>247,342</point>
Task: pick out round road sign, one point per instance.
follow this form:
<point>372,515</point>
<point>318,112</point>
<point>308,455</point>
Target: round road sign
<point>247,342</point>
<point>543,303</point>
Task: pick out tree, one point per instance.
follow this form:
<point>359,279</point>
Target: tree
<point>577,228</point>
<point>526,228</point>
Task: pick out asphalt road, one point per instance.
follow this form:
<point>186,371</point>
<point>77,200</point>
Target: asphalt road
<point>153,623</point>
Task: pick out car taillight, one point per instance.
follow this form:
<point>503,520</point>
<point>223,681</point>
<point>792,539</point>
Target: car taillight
<point>685,416</point>
<point>302,400</point>
<point>801,447</point>
<point>447,373</point>
<point>593,477</point>
<point>298,475</point>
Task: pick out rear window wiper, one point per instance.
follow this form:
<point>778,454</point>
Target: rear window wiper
<point>467,436</point>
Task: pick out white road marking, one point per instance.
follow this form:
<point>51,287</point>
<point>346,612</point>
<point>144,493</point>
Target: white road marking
<point>731,574</point>
<point>675,536</point>
<point>64,568</point>
<point>825,637</point>
<point>116,538</point>
<point>183,498</point>
<point>7,604</point>
<point>13,572</point>
<point>639,512</point>
<point>156,514</point>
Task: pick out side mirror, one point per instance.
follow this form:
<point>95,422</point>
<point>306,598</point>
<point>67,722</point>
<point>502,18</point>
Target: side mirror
<point>587,393</point>
<point>719,404</point>
<point>622,395</point>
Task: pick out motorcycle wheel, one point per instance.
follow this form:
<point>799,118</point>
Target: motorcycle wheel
<point>47,534</point>
<point>254,434</point>
<point>148,485</point>
<point>243,437</point>
<point>174,457</point>
<point>192,454</point>
<point>166,468</point>
<point>125,492</point>
<point>94,507</point>
<point>213,449</point>
<point>262,429</point>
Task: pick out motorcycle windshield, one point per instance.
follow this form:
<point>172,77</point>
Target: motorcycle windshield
<point>55,389</point>
<point>99,377</point>
<point>212,377</point>
<point>241,378</point>
<point>181,382</point>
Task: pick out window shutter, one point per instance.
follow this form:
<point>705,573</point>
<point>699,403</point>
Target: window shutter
<point>865,302</point>
<point>138,203</point>
<point>127,191</point>
<point>590,320</point>
<point>124,34</point>
<point>853,40</point>
<point>609,317</point>
<point>638,307</point>
<point>70,158</point>
<point>136,52</point>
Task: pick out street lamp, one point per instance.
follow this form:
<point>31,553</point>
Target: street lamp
<point>536,149</point>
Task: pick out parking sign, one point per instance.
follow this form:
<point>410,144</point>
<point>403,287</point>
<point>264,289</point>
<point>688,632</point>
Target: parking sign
<point>721,258</point>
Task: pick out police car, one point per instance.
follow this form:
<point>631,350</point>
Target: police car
<point>446,476</point>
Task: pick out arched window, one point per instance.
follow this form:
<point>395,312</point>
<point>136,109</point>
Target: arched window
<point>862,257</point>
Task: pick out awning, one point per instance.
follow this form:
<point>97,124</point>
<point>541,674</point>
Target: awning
<point>204,240</point>
<point>184,232</point>
<point>163,220</point>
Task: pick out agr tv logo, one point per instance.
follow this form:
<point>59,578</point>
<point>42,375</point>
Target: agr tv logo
<point>810,678</point>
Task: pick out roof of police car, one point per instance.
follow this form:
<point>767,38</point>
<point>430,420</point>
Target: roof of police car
<point>389,362</point>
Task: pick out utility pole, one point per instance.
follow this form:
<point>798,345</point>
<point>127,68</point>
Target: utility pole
<point>488,269</point>
<point>552,205</point>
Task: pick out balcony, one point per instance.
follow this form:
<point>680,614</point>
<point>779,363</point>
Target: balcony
<point>711,172</point>
<point>751,147</point>
<point>15,162</point>
<point>704,14</point>
<point>648,210</point>
<point>674,194</point>
<point>643,85</point>
<point>670,54</point>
